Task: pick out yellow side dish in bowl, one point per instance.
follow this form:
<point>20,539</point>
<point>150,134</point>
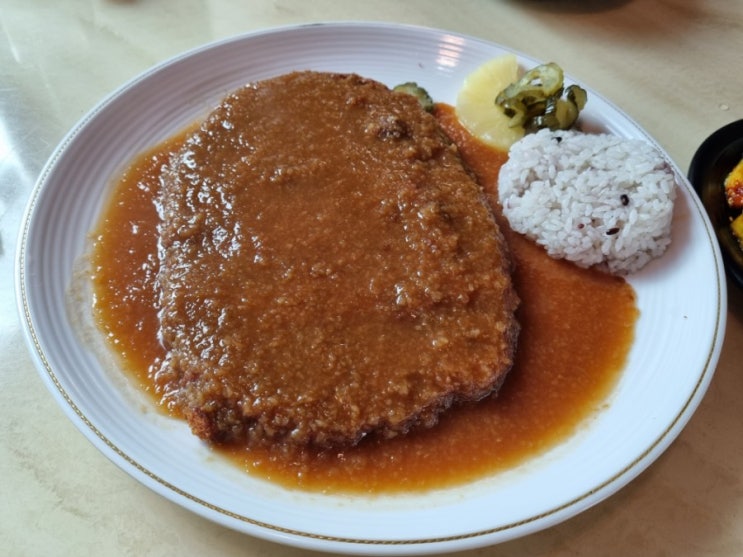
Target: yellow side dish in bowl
<point>716,171</point>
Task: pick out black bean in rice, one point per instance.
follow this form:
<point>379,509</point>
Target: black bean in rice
<point>594,199</point>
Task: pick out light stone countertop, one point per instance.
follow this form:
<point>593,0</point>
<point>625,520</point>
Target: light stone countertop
<point>672,65</point>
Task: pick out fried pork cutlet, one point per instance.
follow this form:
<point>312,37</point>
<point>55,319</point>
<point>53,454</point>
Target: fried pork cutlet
<point>329,269</point>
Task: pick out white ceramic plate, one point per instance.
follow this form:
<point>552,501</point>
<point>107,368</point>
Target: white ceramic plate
<point>682,300</point>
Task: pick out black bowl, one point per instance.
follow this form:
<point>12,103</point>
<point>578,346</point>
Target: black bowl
<point>709,167</point>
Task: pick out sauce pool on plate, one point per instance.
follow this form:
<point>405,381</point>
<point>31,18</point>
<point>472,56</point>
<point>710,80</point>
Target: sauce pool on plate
<point>577,328</point>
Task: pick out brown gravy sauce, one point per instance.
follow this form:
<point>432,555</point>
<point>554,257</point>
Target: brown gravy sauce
<point>577,327</point>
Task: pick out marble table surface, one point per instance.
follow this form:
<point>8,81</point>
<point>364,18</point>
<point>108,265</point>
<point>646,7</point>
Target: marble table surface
<point>673,65</point>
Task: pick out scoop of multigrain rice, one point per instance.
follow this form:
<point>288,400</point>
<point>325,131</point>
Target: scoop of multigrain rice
<point>594,199</point>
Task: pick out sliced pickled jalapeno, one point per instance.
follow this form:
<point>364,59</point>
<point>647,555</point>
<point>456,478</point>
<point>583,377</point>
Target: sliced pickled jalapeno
<point>538,100</point>
<point>412,88</point>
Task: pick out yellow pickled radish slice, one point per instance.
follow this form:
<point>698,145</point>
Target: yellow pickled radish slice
<point>476,108</point>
